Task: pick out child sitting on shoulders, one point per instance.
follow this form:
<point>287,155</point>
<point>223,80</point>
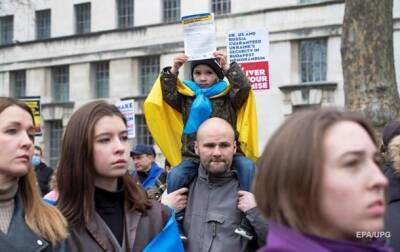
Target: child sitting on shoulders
<point>213,97</point>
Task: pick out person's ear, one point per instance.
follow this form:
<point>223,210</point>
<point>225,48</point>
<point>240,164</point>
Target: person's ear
<point>234,147</point>
<point>196,147</point>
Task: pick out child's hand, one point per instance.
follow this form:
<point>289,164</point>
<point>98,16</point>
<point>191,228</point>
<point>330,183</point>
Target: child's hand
<point>179,60</point>
<point>246,201</point>
<point>177,199</point>
<point>221,57</point>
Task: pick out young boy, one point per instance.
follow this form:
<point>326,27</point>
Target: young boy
<point>213,98</point>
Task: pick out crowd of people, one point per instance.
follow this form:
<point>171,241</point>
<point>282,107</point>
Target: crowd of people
<point>317,186</point>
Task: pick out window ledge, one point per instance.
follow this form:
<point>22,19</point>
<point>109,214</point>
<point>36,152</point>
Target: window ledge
<point>308,86</point>
<point>308,94</point>
<point>57,111</point>
<point>68,104</point>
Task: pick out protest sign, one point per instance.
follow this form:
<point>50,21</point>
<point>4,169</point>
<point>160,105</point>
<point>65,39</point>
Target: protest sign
<point>250,50</point>
<point>127,108</point>
<point>34,104</point>
<point>199,36</point>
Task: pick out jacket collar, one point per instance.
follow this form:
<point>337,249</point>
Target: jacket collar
<point>20,231</point>
<point>99,231</point>
<point>151,179</point>
<point>96,227</point>
<point>216,179</point>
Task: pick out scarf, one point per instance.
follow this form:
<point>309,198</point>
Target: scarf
<point>201,107</point>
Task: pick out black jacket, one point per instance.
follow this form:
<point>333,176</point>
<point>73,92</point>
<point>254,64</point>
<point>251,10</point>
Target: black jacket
<point>21,238</point>
<point>43,175</point>
<point>392,218</point>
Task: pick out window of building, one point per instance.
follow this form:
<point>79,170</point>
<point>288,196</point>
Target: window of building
<point>102,78</point>
<point>221,6</point>
<point>143,135</point>
<point>125,13</point>
<point>313,60</point>
<point>6,30</point>
<point>43,24</point>
<point>18,83</point>
<point>60,77</point>
<point>82,18</point>
<point>149,69</point>
<point>56,132</point>
<point>171,10</point>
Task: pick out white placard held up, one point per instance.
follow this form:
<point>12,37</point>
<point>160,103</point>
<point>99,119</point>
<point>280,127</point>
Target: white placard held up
<point>127,108</point>
<point>199,36</point>
<point>250,49</point>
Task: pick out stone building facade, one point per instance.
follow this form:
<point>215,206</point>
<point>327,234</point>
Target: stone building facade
<point>72,52</point>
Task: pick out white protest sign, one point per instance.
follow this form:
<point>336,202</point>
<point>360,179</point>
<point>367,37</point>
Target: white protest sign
<point>127,108</point>
<point>199,36</point>
<point>250,49</point>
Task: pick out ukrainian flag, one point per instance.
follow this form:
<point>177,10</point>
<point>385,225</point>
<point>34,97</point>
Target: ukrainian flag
<point>168,239</point>
<point>166,126</point>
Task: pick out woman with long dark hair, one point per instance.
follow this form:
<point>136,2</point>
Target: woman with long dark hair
<point>106,208</point>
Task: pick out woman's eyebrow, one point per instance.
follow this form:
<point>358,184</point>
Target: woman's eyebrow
<point>352,152</point>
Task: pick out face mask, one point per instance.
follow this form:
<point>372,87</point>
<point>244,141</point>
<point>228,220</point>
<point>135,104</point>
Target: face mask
<point>35,160</point>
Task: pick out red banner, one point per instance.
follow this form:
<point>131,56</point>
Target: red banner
<point>257,73</point>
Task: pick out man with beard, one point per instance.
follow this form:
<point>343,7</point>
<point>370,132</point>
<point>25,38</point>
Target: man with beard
<point>215,204</point>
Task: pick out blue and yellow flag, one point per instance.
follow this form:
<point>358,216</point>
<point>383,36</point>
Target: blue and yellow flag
<point>166,125</point>
<point>168,239</point>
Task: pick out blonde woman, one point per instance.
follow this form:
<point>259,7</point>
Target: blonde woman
<point>26,222</point>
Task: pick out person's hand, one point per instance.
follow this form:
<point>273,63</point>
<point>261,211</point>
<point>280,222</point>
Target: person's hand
<point>179,60</point>
<point>177,199</point>
<point>221,57</point>
<point>152,192</point>
<point>246,201</point>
